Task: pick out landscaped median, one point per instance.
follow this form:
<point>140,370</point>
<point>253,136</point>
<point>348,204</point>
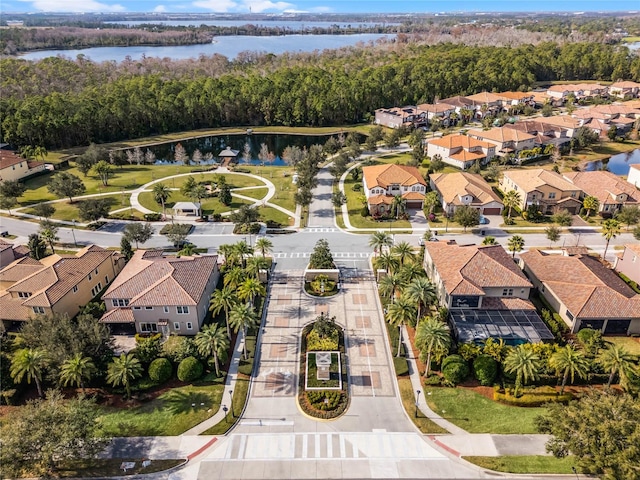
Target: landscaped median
<point>536,464</point>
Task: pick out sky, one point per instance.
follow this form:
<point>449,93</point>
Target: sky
<point>313,6</point>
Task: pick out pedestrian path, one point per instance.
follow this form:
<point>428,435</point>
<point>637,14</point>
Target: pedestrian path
<point>336,255</point>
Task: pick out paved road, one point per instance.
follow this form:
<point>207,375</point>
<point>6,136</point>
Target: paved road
<point>321,211</point>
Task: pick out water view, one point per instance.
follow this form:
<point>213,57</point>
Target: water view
<point>229,46</point>
<point>618,164</point>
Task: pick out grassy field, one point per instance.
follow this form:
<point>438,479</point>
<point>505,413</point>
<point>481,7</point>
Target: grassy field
<point>424,424</point>
<point>632,345</point>
<point>240,392</point>
<point>69,211</point>
<point>631,39</point>
<point>270,213</point>
<point>600,152</point>
<point>169,414</point>
<point>110,467</point>
<point>525,464</point>
<point>281,178</point>
<point>257,193</point>
<point>209,205</point>
<point>478,414</point>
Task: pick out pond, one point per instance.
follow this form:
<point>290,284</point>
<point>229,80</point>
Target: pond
<point>617,164</point>
<point>276,144</point>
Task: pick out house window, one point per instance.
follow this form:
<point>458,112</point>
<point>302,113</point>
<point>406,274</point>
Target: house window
<point>176,325</point>
<point>166,309</point>
<point>189,326</point>
<point>148,327</point>
<point>75,289</point>
<point>552,195</point>
<point>120,302</point>
<point>137,308</point>
<point>507,292</point>
<point>182,309</point>
<point>24,294</point>
<point>570,315</point>
<point>90,277</point>
<point>106,279</point>
<point>96,271</point>
<point>148,308</point>
<point>39,310</point>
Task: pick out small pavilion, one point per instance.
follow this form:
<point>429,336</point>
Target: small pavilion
<point>187,209</point>
<point>228,156</point>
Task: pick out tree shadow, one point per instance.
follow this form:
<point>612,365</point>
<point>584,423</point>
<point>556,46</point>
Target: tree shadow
<point>184,402</point>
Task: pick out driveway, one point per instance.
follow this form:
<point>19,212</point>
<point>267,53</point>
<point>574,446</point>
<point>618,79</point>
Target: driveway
<point>418,220</point>
<point>321,211</point>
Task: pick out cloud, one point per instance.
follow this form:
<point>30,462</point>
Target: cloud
<point>160,9</point>
<point>74,6</point>
<point>321,9</point>
<point>256,6</point>
<point>216,5</point>
<point>259,6</point>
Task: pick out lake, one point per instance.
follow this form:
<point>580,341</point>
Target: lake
<point>276,143</point>
<point>618,164</point>
<point>229,46</point>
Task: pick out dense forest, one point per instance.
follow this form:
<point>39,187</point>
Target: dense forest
<point>61,103</point>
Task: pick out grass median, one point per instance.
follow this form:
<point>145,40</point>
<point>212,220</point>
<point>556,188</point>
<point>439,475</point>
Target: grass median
<point>534,464</point>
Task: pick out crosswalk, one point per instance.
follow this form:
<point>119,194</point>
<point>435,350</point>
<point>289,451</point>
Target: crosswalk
<point>335,255</point>
<point>320,230</point>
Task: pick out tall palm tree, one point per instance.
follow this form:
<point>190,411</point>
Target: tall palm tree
<point>264,245</point>
<point>243,250</point>
<point>432,335</point>
<point>29,363</point>
<point>616,360</point>
<point>48,231</point>
<point>161,193</point>
<point>404,252</point>
<point>423,293</point>
<point>390,286</point>
<point>255,264</point>
<point>223,299</point>
<point>387,261</point>
<point>569,362</point>
<point>243,317</point>
<point>234,277</point>
<point>590,203</point>
<point>524,363</point>
<point>379,240</point>
<point>411,271</point>
<point>398,314</point>
<point>610,229</point>
<point>398,206</point>
<point>250,289</point>
<point>188,250</point>
<point>76,370</point>
<point>511,200</point>
<point>515,244</point>
<point>212,341</point>
<point>122,370</point>
<point>230,254</point>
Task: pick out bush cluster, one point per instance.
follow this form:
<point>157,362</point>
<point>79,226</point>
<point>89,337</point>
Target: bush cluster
<point>541,396</point>
<point>316,343</point>
<point>455,369</point>
<point>160,370</point>
<point>485,369</point>
<point>190,369</point>
<point>324,399</point>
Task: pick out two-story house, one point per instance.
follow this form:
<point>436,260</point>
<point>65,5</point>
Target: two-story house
<point>56,284</point>
<point>506,140</point>
<point>633,177</point>
<point>612,192</point>
<point>566,122</point>
<point>485,103</point>
<point>14,167</point>
<point>628,262</point>
<point>397,117</point>
<point>461,151</point>
<point>162,293</point>
<point>382,183</point>
<point>624,88</point>
<point>438,112</point>
<point>10,252</point>
<point>549,190</point>
<point>462,188</point>
<point>545,134</point>
<point>512,99</point>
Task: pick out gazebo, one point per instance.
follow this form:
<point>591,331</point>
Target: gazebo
<point>227,156</point>
<point>187,209</point>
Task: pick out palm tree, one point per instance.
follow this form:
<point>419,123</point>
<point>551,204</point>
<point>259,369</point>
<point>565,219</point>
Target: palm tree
<point>404,252</point>
<point>515,244</point>
<point>264,245</point>
<point>569,361</point>
<point>77,369</point>
<point>243,317</point>
<point>615,359</point>
<point>223,299</point>
<point>48,233</point>
<point>212,341</point>
<point>390,285</point>
<point>489,241</point>
<point>411,271</point>
<point>379,240</point>
<point>610,229</point>
<point>398,314</point>
<point>255,264</point>
<point>188,250</point>
<point>387,261</point>
<point>243,250</point>
<point>398,206</point>
<point>511,200</point>
<point>590,203</point>
<point>250,289</point>
<point>234,277</point>
<point>525,363</point>
<point>432,335</point>
<point>29,363</point>
<point>122,370</point>
<point>161,194</point>
<point>422,292</point>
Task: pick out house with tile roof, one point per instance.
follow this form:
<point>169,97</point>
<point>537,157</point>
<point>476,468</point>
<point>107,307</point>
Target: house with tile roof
<point>633,177</point>
<point>567,122</point>
<point>384,182</point>
<point>55,284</point>
<point>506,140</point>
<point>462,188</point>
<point>612,192</point>
<point>628,262</point>
<point>397,117</point>
<point>578,90</point>
<point>437,112</point>
<point>549,190</point>
<point>544,134</point>
<point>487,295</point>
<point>624,88</point>
<point>162,293</point>
<point>512,99</point>
<point>10,252</point>
<point>14,167</point>
<point>461,151</point>
<point>584,292</point>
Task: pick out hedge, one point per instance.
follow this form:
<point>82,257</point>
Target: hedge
<point>190,369</point>
<point>537,398</point>
<point>160,370</point>
<point>485,369</point>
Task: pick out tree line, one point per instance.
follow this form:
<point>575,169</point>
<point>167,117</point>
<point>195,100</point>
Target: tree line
<point>108,103</point>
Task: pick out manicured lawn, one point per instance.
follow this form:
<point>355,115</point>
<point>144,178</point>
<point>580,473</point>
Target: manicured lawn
<point>477,414</point>
<point>424,424</point>
<point>525,464</point>
<point>257,193</point>
<point>68,211</point>
<point>632,345</point>
<point>281,177</point>
<point>240,392</point>
<point>209,205</point>
<point>270,213</point>
<point>110,467</point>
<point>171,413</point>
<point>233,180</point>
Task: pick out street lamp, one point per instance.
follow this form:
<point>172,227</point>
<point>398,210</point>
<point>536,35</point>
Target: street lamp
<point>575,472</point>
<point>417,401</point>
<point>73,232</point>
<point>225,410</point>
<point>233,415</point>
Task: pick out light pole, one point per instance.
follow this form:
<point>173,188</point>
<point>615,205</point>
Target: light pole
<point>225,410</point>
<point>417,401</point>
<point>233,415</point>
<point>73,232</point>
<point>576,472</point>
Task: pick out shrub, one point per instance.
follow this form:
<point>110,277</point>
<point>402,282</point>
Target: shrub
<point>469,351</point>
<point>455,373</point>
<point>432,380</point>
<point>190,369</point>
<point>590,339</point>
<point>324,399</point>
<point>485,369</point>
<point>356,187</point>
<point>160,370</point>
<point>533,398</point>
<point>365,211</point>
<point>178,348</point>
<point>401,366</point>
<point>152,217</point>
<point>452,359</point>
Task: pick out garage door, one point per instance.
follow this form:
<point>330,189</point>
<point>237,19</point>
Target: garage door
<point>491,211</point>
<point>414,204</point>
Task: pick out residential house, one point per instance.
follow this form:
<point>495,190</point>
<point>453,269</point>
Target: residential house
<point>462,188</point>
<point>633,177</point>
<point>384,182</point>
<point>512,99</point>
<point>602,117</point>
<point>485,103</point>
<point>506,140</point>
<point>438,112</point>
<point>56,284</point>
<point>544,134</point>
<point>10,252</point>
<point>612,192</point>
<point>549,190</point>
<point>462,105</point>
<point>584,292</point>
<point>539,99</point>
<point>628,262</point>
<point>397,117</point>
<point>162,293</point>
<point>568,123</point>
<point>624,89</point>
<point>578,90</point>
<point>14,167</point>
<point>461,151</point>
<point>485,291</point>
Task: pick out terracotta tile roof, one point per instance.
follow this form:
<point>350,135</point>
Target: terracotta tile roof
<point>506,303</point>
<point>435,107</point>
<point>118,315</point>
<point>12,308</point>
<point>380,199</point>
<point>152,280</point>
<point>9,158</point>
<point>385,175</point>
<point>561,121</point>
<point>466,156</point>
<point>515,95</point>
<point>635,166</point>
<point>530,180</point>
<point>605,186</point>
<point>635,247</point>
<point>17,251</point>
<point>584,285</point>
<point>485,97</point>
<point>500,134</point>
<point>616,110</point>
<point>533,127</point>
<point>451,186</point>
<point>413,196</point>
<point>625,84</point>
<point>458,101</point>
<point>539,97</point>
<point>19,269</point>
<point>459,141</point>
<point>472,268</point>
